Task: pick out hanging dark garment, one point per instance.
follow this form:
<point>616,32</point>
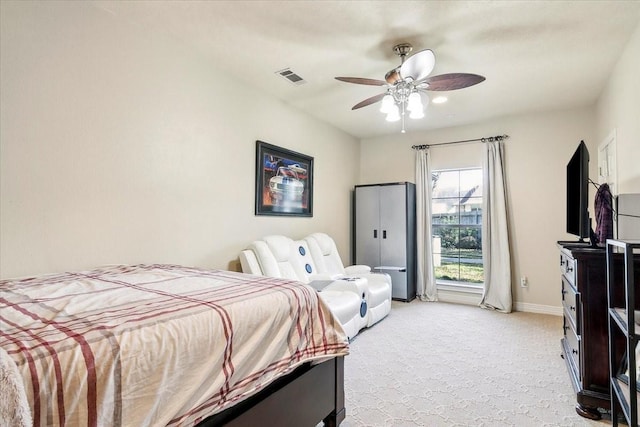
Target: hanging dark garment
<point>604,213</point>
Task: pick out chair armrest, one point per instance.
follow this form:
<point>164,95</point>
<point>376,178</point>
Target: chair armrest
<point>320,285</point>
<point>377,277</point>
<point>353,284</point>
<point>249,263</point>
<point>357,269</point>
<point>322,277</point>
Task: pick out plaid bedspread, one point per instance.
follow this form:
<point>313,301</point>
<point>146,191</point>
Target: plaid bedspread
<point>154,345</point>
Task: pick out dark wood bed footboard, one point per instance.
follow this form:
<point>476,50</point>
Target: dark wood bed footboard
<point>307,396</point>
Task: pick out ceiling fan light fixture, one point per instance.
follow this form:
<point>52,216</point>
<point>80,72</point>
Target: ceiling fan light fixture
<point>392,117</point>
<point>387,104</point>
<point>394,114</point>
<point>406,84</point>
<point>414,103</point>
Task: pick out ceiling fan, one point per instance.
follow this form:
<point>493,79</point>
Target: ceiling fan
<point>405,83</point>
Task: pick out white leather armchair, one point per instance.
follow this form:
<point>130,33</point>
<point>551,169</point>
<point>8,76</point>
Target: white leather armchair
<point>327,260</point>
<point>279,256</point>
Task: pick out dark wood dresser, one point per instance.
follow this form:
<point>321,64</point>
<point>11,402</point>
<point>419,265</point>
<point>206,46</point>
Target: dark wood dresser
<point>585,344</point>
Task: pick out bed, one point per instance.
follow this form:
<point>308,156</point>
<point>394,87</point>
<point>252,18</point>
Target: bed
<point>150,345</point>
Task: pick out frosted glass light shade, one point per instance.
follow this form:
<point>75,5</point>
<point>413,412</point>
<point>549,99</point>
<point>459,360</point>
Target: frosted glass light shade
<point>394,114</point>
<point>415,102</point>
<point>387,104</point>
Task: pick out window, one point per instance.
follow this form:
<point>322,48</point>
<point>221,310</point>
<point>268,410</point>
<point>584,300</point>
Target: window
<point>457,226</point>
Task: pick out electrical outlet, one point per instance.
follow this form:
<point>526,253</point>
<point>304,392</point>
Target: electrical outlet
<point>524,282</point>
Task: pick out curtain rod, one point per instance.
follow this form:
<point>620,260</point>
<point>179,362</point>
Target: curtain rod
<point>487,139</point>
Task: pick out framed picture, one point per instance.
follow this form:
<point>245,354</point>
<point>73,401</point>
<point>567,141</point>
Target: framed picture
<point>284,181</point>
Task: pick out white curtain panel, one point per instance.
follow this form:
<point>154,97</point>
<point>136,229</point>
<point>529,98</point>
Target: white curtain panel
<point>426,277</point>
<point>495,236</point>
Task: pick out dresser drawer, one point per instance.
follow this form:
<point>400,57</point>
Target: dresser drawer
<point>583,272</point>
<point>568,268</point>
<point>571,304</point>
<point>572,349</point>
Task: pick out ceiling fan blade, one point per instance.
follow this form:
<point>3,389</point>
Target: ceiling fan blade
<point>419,65</point>
<point>452,81</point>
<point>362,81</point>
<point>369,101</point>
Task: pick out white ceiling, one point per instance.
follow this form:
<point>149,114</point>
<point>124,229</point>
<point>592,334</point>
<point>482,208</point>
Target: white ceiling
<point>535,55</point>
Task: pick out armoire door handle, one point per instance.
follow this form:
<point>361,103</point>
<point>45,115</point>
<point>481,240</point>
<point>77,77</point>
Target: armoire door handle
<point>384,234</point>
<point>375,234</point>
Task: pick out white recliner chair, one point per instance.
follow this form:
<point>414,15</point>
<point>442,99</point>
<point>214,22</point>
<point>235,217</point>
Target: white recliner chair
<point>279,256</point>
<point>327,260</point>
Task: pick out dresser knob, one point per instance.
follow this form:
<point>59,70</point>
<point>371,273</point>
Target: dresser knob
<point>574,351</point>
<point>572,308</point>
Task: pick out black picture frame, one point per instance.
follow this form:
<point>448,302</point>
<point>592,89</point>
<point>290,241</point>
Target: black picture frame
<point>284,181</point>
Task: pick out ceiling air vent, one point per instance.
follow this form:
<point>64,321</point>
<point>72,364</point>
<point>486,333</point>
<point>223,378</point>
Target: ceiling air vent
<point>291,76</point>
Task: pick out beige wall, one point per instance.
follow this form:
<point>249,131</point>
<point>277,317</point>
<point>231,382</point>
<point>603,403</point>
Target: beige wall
<point>619,109</point>
<point>119,146</point>
<point>539,147</point>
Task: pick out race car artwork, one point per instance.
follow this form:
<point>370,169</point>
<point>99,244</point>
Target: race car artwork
<point>286,186</point>
<point>285,182</point>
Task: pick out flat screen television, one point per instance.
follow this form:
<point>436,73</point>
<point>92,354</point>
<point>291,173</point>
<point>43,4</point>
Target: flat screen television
<point>578,221</point>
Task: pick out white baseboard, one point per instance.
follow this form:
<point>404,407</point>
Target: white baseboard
<point>474,299</point>
<point>538,308</point>
<point>459,297</point>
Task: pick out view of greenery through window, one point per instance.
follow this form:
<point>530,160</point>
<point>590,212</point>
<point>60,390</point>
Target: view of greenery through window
<point>457,225</point>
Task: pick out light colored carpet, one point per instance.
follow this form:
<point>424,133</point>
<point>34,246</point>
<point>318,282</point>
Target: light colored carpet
<point>439,364</point>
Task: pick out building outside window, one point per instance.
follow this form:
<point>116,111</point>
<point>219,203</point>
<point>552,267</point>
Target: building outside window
<point>457,227</point>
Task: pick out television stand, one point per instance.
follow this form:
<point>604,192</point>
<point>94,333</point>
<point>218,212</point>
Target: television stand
<point>585,342</point>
